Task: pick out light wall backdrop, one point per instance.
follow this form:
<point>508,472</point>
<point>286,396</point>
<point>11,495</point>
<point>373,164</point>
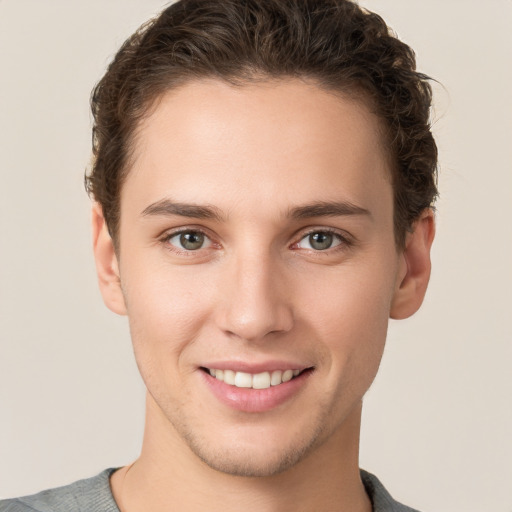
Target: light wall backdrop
<point>438,420</point>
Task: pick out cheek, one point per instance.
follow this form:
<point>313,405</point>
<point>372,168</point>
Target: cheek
<point>353,330</point>
<point>166,310</point>
<point>349,318</point>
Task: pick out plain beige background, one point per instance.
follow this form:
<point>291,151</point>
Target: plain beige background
<point>438,420</point>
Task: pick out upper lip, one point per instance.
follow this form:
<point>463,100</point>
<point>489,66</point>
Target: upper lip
<point>253,367</point>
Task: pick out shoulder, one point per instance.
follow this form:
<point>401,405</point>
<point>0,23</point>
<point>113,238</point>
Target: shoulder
<point>379,496</point>
<point>88,495</point>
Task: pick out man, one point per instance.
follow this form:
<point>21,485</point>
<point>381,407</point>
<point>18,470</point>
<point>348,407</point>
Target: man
<point>263,179</point>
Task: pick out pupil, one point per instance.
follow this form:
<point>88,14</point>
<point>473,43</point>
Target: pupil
<point>320,241</point>
<point>191,241</point>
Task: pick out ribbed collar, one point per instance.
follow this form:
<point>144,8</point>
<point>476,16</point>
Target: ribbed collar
<point>95,495</point>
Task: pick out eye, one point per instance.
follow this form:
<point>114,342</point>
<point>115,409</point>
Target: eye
<point>320,241</point>
<point>189,240</point>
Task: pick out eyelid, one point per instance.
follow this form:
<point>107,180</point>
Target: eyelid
<point>346,240</point>
<point>171,233</point>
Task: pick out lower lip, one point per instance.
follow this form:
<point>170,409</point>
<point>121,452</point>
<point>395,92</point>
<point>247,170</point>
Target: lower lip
<point>255,400</point>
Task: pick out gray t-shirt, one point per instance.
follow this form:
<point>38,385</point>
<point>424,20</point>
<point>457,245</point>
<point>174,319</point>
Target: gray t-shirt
<point>94,495</point>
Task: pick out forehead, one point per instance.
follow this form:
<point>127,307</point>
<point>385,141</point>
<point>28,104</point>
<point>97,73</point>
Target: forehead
<point>239,146</point>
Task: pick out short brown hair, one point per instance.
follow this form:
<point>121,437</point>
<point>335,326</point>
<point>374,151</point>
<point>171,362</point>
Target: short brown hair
<point>336,43</point>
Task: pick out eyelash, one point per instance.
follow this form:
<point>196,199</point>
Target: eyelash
<point>344,241</point>
<point>183,252</point>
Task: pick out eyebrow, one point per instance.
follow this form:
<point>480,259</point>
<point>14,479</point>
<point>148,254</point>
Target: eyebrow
<point>327,209</point>
<point>167,207</point>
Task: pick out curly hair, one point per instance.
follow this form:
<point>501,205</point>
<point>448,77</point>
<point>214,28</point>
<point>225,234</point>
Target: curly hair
<point>335,43</point>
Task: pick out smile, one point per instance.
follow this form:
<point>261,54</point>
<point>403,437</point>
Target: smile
<point>261,380</point>
<point>255,391</point>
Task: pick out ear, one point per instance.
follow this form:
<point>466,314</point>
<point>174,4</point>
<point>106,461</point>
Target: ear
<point>107,267</point>
<point>414,271</point>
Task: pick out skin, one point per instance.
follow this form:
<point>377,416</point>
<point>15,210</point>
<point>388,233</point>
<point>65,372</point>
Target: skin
<point>257,290</point>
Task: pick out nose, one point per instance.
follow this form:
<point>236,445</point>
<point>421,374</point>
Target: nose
<point>254,299</point>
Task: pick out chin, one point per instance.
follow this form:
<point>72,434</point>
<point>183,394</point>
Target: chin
<point>250,464</point>
<point>259,456</point>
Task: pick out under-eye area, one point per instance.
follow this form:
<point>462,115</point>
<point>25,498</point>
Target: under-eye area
<point>261,380</point>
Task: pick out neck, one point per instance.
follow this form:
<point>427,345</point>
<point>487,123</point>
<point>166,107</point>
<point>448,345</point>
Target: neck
<point>167,475</point>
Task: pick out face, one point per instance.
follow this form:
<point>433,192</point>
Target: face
<point>258,268</point>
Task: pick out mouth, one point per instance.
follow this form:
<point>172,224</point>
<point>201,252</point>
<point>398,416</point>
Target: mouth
<point>256,387</point>
<point>262,380</point>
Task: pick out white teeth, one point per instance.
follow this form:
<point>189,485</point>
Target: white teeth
<point>242,380</point>
<point>261,380</point>
<point>229,377</point>
<point>287,375</point>
<point>257,381</point>
<point>276,378</point>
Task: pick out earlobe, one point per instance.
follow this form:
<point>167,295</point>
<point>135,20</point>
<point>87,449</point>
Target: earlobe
<point>414,274</point>
<point>107,267</point>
